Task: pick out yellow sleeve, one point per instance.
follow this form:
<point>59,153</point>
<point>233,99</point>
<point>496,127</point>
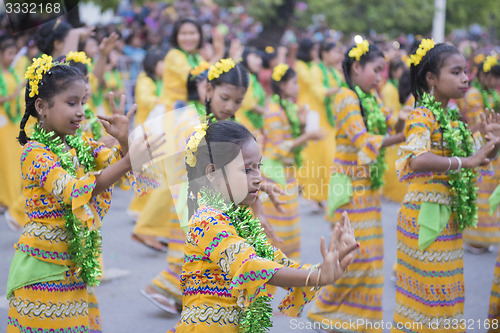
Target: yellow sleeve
<point>351,123</point>
<point>43,169</point>
<point>175,76</point>
<point>311,77</point>
<point>419,127</point>
<point>249,101</point>
<point>217,240</point>
<point>296,298</point>
<point>279,140</point>
<point>145,97</point>
<point>474,106</point>
<point>390,97</point>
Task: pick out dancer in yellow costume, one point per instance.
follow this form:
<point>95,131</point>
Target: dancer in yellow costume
<point>148,90</point>
<point>68,180</point>
<point>483,95</point>
<point>251,114</point>
<point>180,60</point>
<point>318,158</point>
<point>10,117</point>
<point>440,201</point>
<point>227,84</point>
<point>230,270</point>
<point>284,139</point>
<point>364,128</point>
<point>390,93</point>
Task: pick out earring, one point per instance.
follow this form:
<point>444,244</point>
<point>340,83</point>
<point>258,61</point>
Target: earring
<point>40,121</point>
<point>432,91</point>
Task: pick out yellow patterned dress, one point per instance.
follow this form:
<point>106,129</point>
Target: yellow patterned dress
<point>10,150</point>
<point>430,283</point>
<point>278,147</point>
<point>44,290</point>
<point>487,232</point>
<point>314,175</point>
<point>358,294</point>
<point>221,273</point>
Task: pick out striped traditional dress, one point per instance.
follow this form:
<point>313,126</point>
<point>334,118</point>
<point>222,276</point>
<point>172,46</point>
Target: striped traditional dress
<point>44,291</point>
<point>358,294</point>
<point>487,232</point>
<point>430,282</point>
<point>278,147</point>
<point>222,274</point>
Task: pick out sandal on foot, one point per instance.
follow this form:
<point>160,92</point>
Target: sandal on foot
<point>152,242</point>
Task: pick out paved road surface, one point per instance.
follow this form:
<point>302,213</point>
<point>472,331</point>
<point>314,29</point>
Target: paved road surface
<point>124,309</point>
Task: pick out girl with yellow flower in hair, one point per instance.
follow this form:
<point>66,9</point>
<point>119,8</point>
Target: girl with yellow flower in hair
<point>230,270</point>
<point>284,139</point>
<point>439,160</point>
<point>483,95</point>
<point>364,128</point>
<point>67,182</point>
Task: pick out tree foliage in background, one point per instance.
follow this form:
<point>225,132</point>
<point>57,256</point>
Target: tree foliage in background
<point>383,16</point>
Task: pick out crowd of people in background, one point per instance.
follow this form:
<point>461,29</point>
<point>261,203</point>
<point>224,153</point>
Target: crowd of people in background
<point>339,120</point>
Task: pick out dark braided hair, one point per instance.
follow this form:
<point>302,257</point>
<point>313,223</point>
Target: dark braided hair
<point>54,82</point>
<point>237,76</point>
<point>224,140</point>
<point>372,54</point>
<point>431,62</point>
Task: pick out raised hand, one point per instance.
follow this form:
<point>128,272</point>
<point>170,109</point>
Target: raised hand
<point>117,125</point>
<point>490,123</point>
<point>340,252</point>
<point>274,191</point>
<point>480,158</point>
<point>144,148</point>
<point>108,44</point>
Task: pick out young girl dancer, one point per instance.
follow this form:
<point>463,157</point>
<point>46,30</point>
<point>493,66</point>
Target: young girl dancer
<point>68,181</point>
<point>230,269</point>
<point>364,128</point>
<point>438,161</point>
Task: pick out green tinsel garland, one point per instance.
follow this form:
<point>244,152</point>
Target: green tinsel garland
<point>375,124</point>
<point>15,117</point>
<point>84,245</point>
<point>257,316</point>
<point>459,140</point>
<point>292,114</point>
<point>95,124</point>
<point>485,94</point>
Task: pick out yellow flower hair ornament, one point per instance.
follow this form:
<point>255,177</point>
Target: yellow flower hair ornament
<point>479,59</point>
<point>279,71</point>
<point>202,67</point>
<point>35,72</point>
<point>80,57</point>
<point>359,50</point>
<point>269,49</point>
<point>425,46</point>
<point>221,67</point>
<point>194,141</point>
<point>489,62</point>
